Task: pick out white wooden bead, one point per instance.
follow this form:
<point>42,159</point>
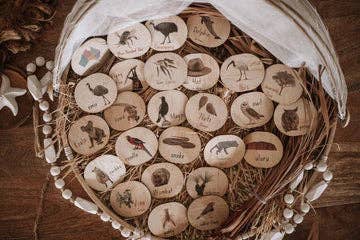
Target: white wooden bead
<point>40,61</point>
<point>298,218</point>
<point>47,117</point>
<point>66,194</point>
<point>104,217</point>
<point>316,191</point>
<point>272,235</point>
<point>321,167</point>
<point>31,68</point>
<point>44,105</point>
<point>289,228</point>
<point>327,176</point>
<point>297,181</point>
<point>47,129</point>
<point>137,233</point>
<point>50,65</point>
<point>288,213</point>
<point>49,150</point>
<point>305,207</point>
<point>308,166</point>
<point>86,205</point>
<point>125,232</point>
<point>115,225</point>
<point>59,183</point>
<point>55,171</point>
<point>289,198</point>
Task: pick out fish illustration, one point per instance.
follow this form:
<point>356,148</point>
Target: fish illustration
<point>209,25</point>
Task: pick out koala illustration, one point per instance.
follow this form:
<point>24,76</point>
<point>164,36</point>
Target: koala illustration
<point>94,133</point>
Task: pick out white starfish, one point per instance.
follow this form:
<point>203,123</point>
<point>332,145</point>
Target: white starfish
<point>8,95</point>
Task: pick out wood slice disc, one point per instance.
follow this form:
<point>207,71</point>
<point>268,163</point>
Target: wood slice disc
<point>168,219</point>
<point>208,212</point>
<point>167,34</point>
<point>251,110</point>
<point>224,151</point>
<point>263,149</point>
<point>88,135</point>
<point>165,71</point>
<point>242,72</point>
<point>179,145</point>
<point>164,180</point>
<point>104,171</point>
<point>282,84</point>
<point>130,199</point>
<point>208,31</point>
<point>136,146</point>
<point>206,112</point>
<point>129,42</point>
<point>127,111</point>
<point>95,93</point>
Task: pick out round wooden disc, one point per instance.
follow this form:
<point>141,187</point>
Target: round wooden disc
<point>179,145</point>
<point>203,71</point>
<point>167,108</point>
<point>208,212</point>
<point>136,146</point>
<point>165,71</point>
<point>167,34</point>
<point>295,119</point>
<point>129,75</point>
<point>104,171</point>
<point>224,151</point>
<point>207,181</point>
<point>242,72</point>
<point>130,199</point>
<point>90,56</point>
<point>263,149</point>
<point>129,42</point>
<point>206,112</point>
<point>164,180</point>
<point>168,219</point>
<point>95,93</point>
<point>251,110</point>
<point>282,84</point>
<point>127,111</point>
<point>208,31</point>
<point>88,135</point>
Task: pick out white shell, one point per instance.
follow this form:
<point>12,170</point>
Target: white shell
<point>295,183</point>
<point>321,167</point>
<point>44,106</point>
<point>316,191</point>
<point>288,213</point>
<point>49,149</point>
<point>31,68</point>
<point>115,225</point>
<point>104,217</point>
<point>49,65</point>
<point>59,183</point>
<point>40,61</point>
<point>327,176</point>
<point>86,205</point>
<point>47,129</point>
<point>305,208</point>
<point>289,228</point>
<point>47,117</point>
<point>298,218</point>
<point>66,194</point>
<point>273,235</point>
<point>289,198</point>
<point>55,170</point>
<point>309,166</point>
<point>34,87</point>
<point>125,232</point>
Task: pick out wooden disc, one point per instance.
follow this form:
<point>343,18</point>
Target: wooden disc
<point>90,56</point>
<point>136,146</point>
<point>164,180</point>
<point>130,199</point>
<point>165,71</point>
<point>168,219</point>
<point>224,151</point>
<point>208,31</point>
<point>263,149</point>
<point>167,108</point>
<point>88,135</point>
<point>167,34</point>
<point>208,212</point>
<point>282,84</point>
<point>95,93</point>
<point>207,181</point>
<point>104,171</point>
<point>251,110</point>
<point>127,111</point>
<point>203,71</point>
<point>179,145</point>
<point>295,119</point>
<point>129,75</point>
<point>129,42</point>
<point>242,72</point>
<point>206,112</point>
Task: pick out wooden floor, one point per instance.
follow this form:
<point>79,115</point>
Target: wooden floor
<point>23,177</point>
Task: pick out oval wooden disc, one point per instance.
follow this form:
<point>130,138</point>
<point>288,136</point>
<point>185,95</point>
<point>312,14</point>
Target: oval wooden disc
<point>208,212</point>
<point>242,72</point>
<point>165,71</point>
<point>88,135</point>
<point>168,219</point>
<point>206,112</point>
<point>130,199</point>
<point>164,180</point>
<point>129,42</point>
<point>167,34</point>
<point>95,93</point>
<point>263,149</point>
<point>295,119</point>
<point>127,111</point>
<point>129,75</point>
<point>208,31</point>
<point>90,56</point>
<point>179,145</point>
<point>104,171</point>
<point>224,151</point>
<point>167,108</point>
<point>136,146</point>
<point>251,110</point>
<point>282,84</point>
<point>203,71</point>
<point>207,181</point>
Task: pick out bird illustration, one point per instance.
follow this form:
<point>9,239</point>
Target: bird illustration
<point>209,25</point>
<point>166,28</point>
<point>125,198</point>
<point>100,91</point>
<point>102,177</point>
<point>290,119</point>
<point>201,183</point>
<point>138,144</point>
<point>210,109</point>
<point>242,67</point>
<point>203,101</point>
<point>163,109</point>
<point>208,209</point>
<point>168,219</point>
<point>250,113</point>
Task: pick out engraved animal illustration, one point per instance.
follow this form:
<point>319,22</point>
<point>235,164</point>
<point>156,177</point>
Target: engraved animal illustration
<point>166,28</point>
<point>183,142</point>
<point>102,177</point>
<point>99,91</point>
<point>290,119</point>
<point>127,37</point>
<point>138,144</point>
<point>209,106</point>
<point>130,110</point>
<point>206,20</point>
<point>125,198</point>
<point>203,100</point>
<point>163,110</point>
<point>284,79</point>
<point>94,133</point>
<point>165,66</point>
<point>168,219</point>
<point>224,145</point>
<point>242,67</point>
<point>136,83</point>
<point>160,177</point>
<point>261,145</point>
<point>92,54</point>
<point>208,209</point>
<point>200,183</point>
<point>250,113</point>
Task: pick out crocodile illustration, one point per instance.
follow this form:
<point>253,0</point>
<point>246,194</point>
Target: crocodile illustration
<point>220,146</point>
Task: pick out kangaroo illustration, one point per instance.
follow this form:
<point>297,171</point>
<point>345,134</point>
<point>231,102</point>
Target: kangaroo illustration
<point>94,133</point>
<point>220,146</point>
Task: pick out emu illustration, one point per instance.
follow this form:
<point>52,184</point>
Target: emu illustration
<point>100,91</point>
<point>166,28</point>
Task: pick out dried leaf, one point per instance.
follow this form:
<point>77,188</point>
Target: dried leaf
<point>17,46</point>
<point>32,27</point>
<point>8,35</point>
